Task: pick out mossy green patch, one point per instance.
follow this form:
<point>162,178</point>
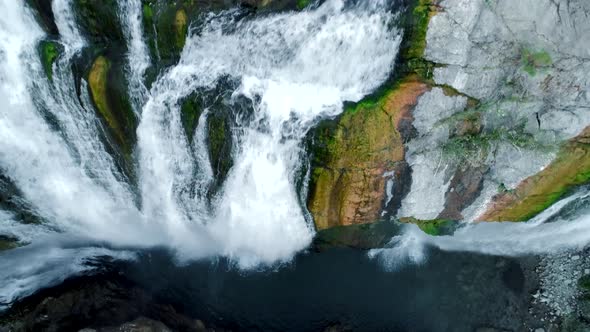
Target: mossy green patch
<point>301,4</point>
<point>49,53</point>
<point>106,84</point>
<point>219,144</point>
<point>434,227</point>
<point>148,14</point>
<point>475,146</point>
<point>180,28</point>
<point>417,29</point>
<point>190,110</point>
<point>532,61</point>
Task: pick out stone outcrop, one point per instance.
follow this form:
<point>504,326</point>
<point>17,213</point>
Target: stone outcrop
<point>112,104</point>
<point>359,156</point>
<point>523,63</point>
<point>359,168</point>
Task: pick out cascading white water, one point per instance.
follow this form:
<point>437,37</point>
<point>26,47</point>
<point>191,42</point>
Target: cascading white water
<point>130,15</point>
<point>295,67</point>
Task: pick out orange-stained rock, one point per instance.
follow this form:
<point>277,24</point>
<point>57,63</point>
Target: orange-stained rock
<point>350,187</point>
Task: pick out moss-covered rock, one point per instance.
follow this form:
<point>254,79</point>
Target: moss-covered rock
<point>190,111</point>
<point>49,51</point>
<point>100,21</point>
<point>165,26</point>
<point>351,157</point>
<point>106,83</point>
<point>220,145</point>
<point>435,227</point>
<point>180,28</point>
<point>8,242</point>
<point>571,168</point>
<point>534,61</point>
<point>351,154</point>
<point>301,4</point>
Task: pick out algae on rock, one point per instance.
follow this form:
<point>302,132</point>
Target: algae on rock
<point>49,53</point>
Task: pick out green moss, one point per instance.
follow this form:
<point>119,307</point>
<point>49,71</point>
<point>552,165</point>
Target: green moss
<point>148,14</point>
<point>476,147</point>
<point>107,88</point>
<point>301,4</point>
<point>180,28</point>
<point>219,144</point>
<point>532,61</point>
<point>190,111</point>
<point>351,154</point>
<point>435,227</point>
<point>49,53</point>
<point>424,68</point>
<point>418,28</point>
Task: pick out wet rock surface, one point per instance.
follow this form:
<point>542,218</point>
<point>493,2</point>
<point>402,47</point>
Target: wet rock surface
<point>103,303</point>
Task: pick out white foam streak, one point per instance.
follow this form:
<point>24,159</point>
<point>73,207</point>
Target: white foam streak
<point>138,59</point>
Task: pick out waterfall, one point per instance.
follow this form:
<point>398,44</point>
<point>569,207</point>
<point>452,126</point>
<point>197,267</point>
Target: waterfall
<point>138,58</point>
<point>294,68</point>
<point>293,77</point>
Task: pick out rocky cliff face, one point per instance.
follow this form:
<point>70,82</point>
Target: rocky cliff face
<point>507,99</point>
